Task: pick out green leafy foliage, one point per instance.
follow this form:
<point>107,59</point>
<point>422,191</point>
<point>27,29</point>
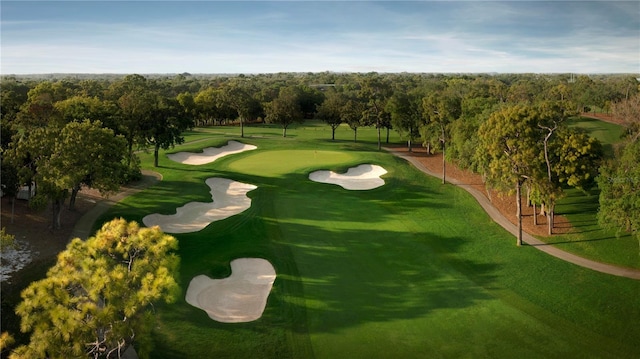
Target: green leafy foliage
<point>164,126</point>
<point>330,111</point>
<point>508,142</point>
<point>60,160</point>
<point>6,240</point>
<point>97,299</point>
<point>375,91</point>
<point>619,184</point>
<point>406,114</point>
<point>577,157</point>
<point>284,109</point>
<point>509,146</point>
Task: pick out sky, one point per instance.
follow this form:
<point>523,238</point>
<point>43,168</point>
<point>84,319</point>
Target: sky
<point>247,37</point>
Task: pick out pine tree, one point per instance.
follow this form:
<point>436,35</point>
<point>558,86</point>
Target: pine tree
<point>96,300</point>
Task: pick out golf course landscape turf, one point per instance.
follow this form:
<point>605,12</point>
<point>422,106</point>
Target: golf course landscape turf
<point>588,239</point>
<point>410,269</point>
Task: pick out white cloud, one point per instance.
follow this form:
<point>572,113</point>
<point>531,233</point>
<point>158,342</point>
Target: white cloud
<point>343,36</point>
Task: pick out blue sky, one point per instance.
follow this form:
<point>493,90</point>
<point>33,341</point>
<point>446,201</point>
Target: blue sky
<point>302,36</point>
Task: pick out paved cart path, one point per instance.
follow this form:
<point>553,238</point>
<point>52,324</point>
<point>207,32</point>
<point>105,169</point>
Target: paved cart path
<point>526,237</point>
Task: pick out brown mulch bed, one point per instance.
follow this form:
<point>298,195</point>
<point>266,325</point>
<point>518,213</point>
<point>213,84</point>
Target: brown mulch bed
<point>506,204</point>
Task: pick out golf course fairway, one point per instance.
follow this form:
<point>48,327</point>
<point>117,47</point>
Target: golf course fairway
<point>411,269</point>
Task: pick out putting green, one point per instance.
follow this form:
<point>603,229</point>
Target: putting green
<point>281,162</point>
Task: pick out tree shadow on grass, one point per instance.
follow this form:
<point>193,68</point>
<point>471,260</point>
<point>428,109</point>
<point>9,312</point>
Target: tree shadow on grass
<point>328,280</point>
<point>351,278</point>
<point>580,240</point>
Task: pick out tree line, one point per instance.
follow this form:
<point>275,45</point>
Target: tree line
<point>62,134</point>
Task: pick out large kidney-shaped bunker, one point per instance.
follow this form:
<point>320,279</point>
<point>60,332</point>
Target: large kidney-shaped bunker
<point>241,297</point>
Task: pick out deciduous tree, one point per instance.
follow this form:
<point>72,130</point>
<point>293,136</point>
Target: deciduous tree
<point>62,160</point>
<point>406,114</point>
<point>330,111</point>
<point>135,101</point>
<point>237,97</point>
<point>628,110</point>
<point>508,142</point>
<point>439,110</point>
<point>352,115</point>
<point>375,90</point>
<point>164,126</point>
<point>80,108</point>
<point>619,183</point>
<point>284,109</point>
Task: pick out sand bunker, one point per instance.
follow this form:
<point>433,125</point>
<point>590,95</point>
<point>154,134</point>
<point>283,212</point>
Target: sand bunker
<point>239,298</point>
<point>229,198</point>
<point>362,177</point>
<point>210,154</point>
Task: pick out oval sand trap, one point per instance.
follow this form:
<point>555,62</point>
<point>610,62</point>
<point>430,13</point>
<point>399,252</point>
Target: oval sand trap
<point>362,177</point>
<point>239,298</point>
<point>229,198</point>
<point>210,154</point>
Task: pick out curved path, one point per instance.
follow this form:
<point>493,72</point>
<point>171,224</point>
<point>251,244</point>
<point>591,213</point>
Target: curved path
<point>83,226</point>
<point>526,237</point>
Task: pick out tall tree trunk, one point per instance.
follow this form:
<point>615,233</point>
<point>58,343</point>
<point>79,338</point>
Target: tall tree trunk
<point>379,138</point>
<point>551,203</point>
<point>333,133</point>
<point>13,207</point>
<point>74,194</point>
<point>535,215</point>
<point>241,127</point>
<point>355,134</point>
<point>387,135</point>
<point>57,211</point>
<point>519,210</point>
<point>550,218</point>
<point>444,169</point>
<point>130,149</point>
<point>409,145</point>
<point>156,151</point>
<point>444,163</point>
<point>284,131</point>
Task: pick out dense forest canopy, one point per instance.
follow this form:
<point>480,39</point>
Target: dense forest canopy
<point>447,113</point>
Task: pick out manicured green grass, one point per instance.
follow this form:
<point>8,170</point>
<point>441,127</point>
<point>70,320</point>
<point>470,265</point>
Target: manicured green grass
<point>410,269</point>
<point>607,133</point>
<point>588,239</point>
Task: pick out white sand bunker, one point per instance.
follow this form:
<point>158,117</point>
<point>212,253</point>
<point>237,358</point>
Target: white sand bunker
<point>210,154</point>
<point>229,198</point>
<point>239,298</point>
<point>362,177</point>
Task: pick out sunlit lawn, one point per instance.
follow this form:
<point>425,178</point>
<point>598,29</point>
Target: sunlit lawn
<point>411,269</point>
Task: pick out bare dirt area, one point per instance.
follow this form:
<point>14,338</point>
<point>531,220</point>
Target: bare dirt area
<point>33,228</point>
<point>506,204</point>
<point>34,234</point>
<point>606,117</point>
